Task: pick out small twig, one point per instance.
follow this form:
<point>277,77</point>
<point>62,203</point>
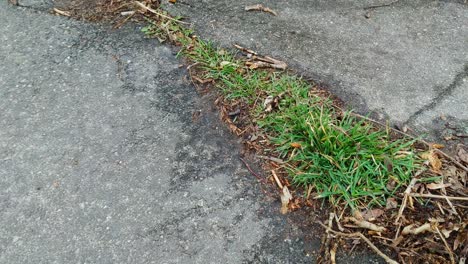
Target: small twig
<point>416,230</point>
<point>279,161</point>
<point>333,253</point>
<point>405,198</point>
<point>280,185</point>
<point>158,13</point>
<point>338,223</point>
<point>397,232</point>
<point>451,206</point>
<point>253,172</point>
<point>458,198</point>
<point>452,259</point>
<point>369,243</point>
<point>366,224</point>
<point>62,13</point>
<point>245,49</point>
<point>192,65</point>
<point>259,7</point>
<point>440,208</point>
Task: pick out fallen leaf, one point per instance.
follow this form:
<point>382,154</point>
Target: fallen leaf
<point>391,184</point>
<point>391,203</point>
<point>446,232</point>
<point>463,155</point>
<point>388,163</point>
<point>434,160</point>
<point>172,1</point>
<point>357,214</point>
<point>267,104</point>
<point>438,146</point>
<point>460,239</point>
<point>370,215</point>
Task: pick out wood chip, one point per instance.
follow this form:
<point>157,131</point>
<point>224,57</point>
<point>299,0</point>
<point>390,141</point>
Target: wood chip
<point>285,198</point>
<point>411,229</point>
<point>260,7</point>
<point>61,12</point>
<point>365,224</point>
<point>278,182</point>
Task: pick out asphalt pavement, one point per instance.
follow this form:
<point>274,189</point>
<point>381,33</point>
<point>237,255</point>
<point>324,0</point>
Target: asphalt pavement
<point>405,61</point>
<point>102,160</point>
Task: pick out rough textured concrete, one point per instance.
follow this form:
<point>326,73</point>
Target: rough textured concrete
<point>407,62</point>
<point>101,162</point>
<point>102,159</point>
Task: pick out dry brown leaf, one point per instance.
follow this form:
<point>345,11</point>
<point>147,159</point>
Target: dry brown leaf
<point>370,215</point>
<point>460,239</point>
<point>433,159</point>
<point>391,203</point>
<point>267,104</point>
<point>391,184</point>
<point>446,232</point>
<point>437,146</point>
<point>463,155</point>
<point>357,214</point>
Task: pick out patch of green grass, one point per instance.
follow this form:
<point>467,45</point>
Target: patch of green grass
<point>343,157</point>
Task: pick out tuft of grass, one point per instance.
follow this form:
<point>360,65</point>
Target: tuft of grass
<point>342,157</point>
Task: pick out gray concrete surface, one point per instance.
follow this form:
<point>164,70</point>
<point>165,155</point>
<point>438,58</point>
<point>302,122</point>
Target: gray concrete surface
<point>102,160</point>
<point>407,62</point>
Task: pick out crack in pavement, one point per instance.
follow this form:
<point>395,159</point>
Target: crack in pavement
<point>457,81</point>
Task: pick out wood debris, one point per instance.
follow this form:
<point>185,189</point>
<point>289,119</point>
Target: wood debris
<point>256,61</point>
<point>61,12</point>
<point>411,229</point>
<point>260,7</point>
<point>365,224</point>
<point>285,198</point>
<point>266,62</point>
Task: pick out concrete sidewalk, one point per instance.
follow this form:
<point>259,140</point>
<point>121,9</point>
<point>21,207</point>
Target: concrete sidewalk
<point>406,61</point>
<point>109,155</point>
<point>101,162</point>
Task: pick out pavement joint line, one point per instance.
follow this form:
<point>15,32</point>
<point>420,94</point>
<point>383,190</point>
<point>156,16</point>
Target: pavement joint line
<point>457,81</point>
